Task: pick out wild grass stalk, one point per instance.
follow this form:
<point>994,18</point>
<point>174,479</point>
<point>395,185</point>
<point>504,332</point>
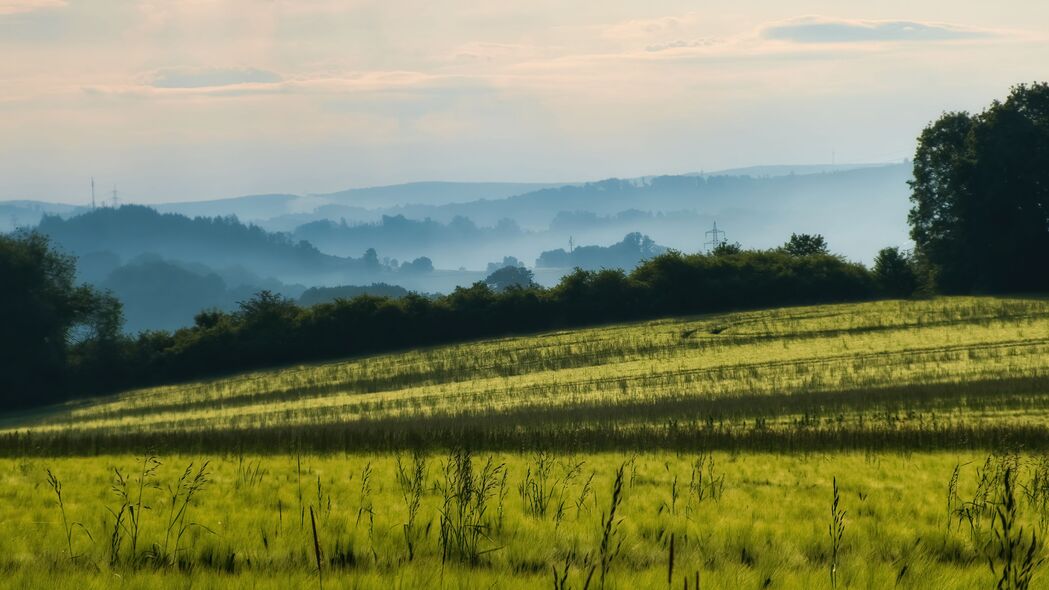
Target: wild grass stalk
<point>611,544</point>
<point>1015,555</point>
<point>411,481</point>
<point>463,514</point>
<point>836,530</point>
<point>188,485</point>
<point>317,551</point>
<point>67,527</point>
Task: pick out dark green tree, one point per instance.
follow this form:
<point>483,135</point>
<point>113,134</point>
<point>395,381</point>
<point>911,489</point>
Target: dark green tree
<point>980,195</point>
<point>727,249</point>
<point>421,265</point>
<point>805,245</point>
<point>267,308</point>
<point>510,277</point>
<point>895,273</point>
<point>45,315</point>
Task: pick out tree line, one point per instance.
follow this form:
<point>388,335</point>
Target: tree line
<point>67,341</point>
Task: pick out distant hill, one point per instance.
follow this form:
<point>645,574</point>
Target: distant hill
<point>758,206</point>
<point>662,193</point>
<point>134,230</point>
<point>247,208</point>
<point>353,204</point>
<point>787,169</point>
<point>15,214</point>
<point>432,193</point>
<point>626,254</point>
<point>315,295</point>
<point>858,210</point>
<point>400,237</point>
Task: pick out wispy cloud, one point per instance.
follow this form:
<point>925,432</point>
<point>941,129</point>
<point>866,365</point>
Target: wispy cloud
<point>815,29</point>
<point>262,82</point>
<point>488,52</point>
<point>681,44</point>
<point>211,77</point>
<point>641,28</point>
<point>19,6</point>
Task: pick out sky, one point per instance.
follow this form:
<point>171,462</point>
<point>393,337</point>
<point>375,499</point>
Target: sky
<point>171,100</point>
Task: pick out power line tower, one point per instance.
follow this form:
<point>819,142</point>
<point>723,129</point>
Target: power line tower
<point>116,201</point>
<point>717,238</point>
<point>571,245</point>
<point>92,193</point>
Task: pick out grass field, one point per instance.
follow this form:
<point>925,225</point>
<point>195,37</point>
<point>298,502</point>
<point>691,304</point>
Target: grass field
<point>729,432</point>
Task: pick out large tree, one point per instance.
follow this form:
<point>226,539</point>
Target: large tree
<point>806,245</point>
<point>43,314</point>
<point>510,277</point>
<point>980,194</point>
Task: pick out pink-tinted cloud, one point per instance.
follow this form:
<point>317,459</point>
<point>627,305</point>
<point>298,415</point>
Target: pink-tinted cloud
<point>19,6</point>
<point>815,29</point>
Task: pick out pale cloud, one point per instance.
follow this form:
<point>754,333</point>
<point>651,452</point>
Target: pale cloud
<point>239,82</point>
<point>489,52</point>
<point>818,29</point>
<point>211,77</point>
<point>680,44</point>
<point>19,6</point>
<point>642,28</point>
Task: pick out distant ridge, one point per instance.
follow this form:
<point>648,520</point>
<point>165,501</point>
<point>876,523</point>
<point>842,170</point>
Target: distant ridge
<point>789,169</point>
<point>433,193</point>
<point>262,207</point>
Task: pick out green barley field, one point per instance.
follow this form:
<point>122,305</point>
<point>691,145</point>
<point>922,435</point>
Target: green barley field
<point>876,445</point>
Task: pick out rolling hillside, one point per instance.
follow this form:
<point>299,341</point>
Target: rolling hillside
<point>940,373</point>
<point>697,452</point>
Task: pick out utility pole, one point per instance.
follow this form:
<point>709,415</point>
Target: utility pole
<point>717,238</point>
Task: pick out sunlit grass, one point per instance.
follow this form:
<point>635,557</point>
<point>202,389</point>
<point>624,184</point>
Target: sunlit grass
<point>729,430</point>
<point>769,522</point>
<point>785,352</point>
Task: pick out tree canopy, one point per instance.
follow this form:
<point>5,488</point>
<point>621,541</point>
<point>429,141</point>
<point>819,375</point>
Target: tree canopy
<point>44,314</point>
<point>980,195</point>
<point>510,277</point>
<point>806,245</point>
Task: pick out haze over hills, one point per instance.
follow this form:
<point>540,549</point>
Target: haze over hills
<point>677,210</point>
<point>758,210</point>
<point>14,214</point>
<point>431,238</point>
<point>788,169</point>
<point>283,212</point>
<point>432,193</point>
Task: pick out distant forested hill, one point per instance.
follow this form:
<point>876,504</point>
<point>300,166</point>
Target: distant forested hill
<point>132,230</point>
<point>315,295</point>
<point>283,211</point>
<point>431,193</point>
<point>400,237</point>
<point>667,193</point>
<point>626,254</point>
<point>15,214</point>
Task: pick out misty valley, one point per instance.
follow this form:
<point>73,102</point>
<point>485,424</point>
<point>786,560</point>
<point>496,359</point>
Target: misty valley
<point>167,262</point>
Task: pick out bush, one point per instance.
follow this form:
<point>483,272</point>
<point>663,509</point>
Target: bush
<point>895,273</point>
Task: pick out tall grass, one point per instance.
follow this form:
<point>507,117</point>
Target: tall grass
<point>759,532</point>
<point>947,371</point>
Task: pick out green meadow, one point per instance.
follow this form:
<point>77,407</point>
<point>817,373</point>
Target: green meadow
<point>873,445</point>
